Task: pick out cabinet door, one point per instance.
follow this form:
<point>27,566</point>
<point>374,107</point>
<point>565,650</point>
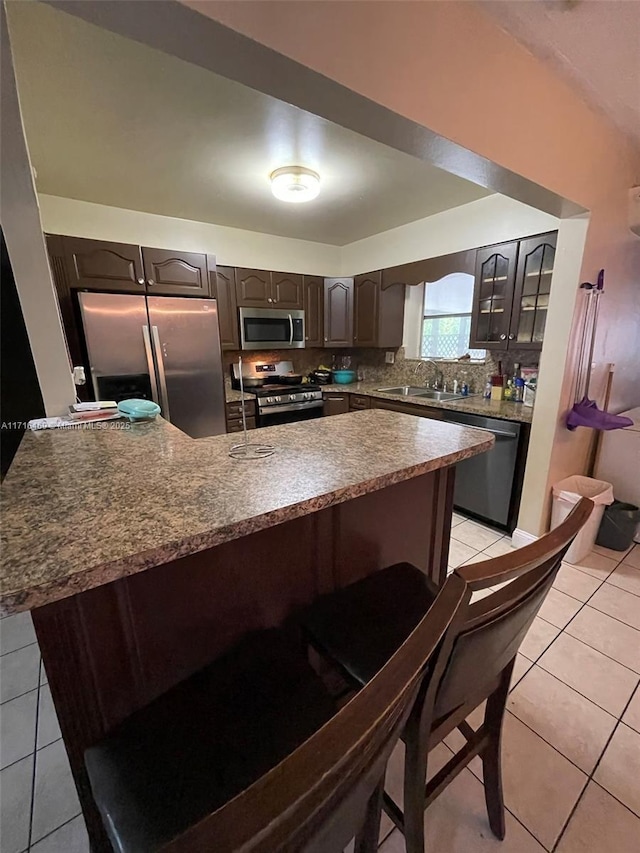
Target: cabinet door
<point>366,292</point>
<point>171,273</point>
<point>531,294</point>
<point>286,289</point>
<point>338,312</point>
<point>313,303</point>
<point>101,265</point>
<point>223,288</point>
<point>335,404</point>
<point>253,288</point>
<point>408,409</point>
<point>391,311</point>
<point>493,296</point>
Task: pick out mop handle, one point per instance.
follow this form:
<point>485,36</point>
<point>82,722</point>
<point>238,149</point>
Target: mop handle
<point>583,342</point>
<point>599,290</point>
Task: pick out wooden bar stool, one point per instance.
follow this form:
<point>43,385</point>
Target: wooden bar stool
<point>249,753</point>
<point>359,627</point>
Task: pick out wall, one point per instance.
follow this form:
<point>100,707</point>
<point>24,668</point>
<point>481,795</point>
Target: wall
<point>479,223</point>
<point>494,219</point>
<point>27,252</point>
<point>543,130</point>
<point>231,246</point>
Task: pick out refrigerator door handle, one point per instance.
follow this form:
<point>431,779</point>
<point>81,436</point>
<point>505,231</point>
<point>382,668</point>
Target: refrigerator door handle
<point>161,375</point>
<point>152,370</point>
<point>290,329</point>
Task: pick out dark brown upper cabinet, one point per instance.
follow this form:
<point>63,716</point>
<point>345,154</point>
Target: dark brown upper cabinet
<point>390,320</point>
<point>313,304</point>
<point>253,288</point>
<point>265,289</point>
<point>101,265</point>
<point>366,292</point>
<point>223,288</point>
<point>511,294</point>
<point>536,257</point>
<point>175,273</point>
<point>493,296</point>
<point>286,290</point>
<point>338,312</point>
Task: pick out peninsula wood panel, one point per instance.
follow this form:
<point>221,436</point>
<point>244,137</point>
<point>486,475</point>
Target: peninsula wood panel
<point>112,649</point>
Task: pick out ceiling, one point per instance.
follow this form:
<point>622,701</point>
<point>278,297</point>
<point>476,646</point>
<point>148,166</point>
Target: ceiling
<point>111,121</point>
<point>595,45</point>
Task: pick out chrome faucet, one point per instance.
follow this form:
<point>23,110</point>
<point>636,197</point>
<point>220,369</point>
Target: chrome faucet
<point>438,382</point>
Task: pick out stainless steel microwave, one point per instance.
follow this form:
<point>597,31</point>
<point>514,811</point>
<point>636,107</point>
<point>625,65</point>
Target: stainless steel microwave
<point>271,328</point>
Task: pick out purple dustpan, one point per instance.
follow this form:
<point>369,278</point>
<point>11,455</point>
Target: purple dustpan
<point>587,414</point>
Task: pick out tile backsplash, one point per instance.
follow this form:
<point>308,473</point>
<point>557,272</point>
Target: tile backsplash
<point>403,372</point>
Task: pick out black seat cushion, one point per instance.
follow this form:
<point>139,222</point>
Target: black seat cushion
<point>205,740</point>
<point>360,626</point>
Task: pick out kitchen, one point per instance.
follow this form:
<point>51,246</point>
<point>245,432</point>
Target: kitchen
<point>360,299</point>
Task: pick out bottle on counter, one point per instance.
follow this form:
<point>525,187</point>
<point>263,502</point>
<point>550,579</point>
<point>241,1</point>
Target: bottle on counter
<point>518,391</point>
<point>508,390</point>
<point>487,388</point>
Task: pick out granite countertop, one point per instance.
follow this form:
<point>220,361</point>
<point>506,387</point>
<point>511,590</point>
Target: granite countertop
<point>505,410</point>
<point>86,506</point>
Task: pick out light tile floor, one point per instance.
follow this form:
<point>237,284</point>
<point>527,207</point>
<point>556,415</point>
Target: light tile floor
<point>571,754</point>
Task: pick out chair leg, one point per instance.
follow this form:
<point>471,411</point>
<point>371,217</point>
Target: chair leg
<point>415,777</point>
<point>491,755</point>
<point>367,839</point>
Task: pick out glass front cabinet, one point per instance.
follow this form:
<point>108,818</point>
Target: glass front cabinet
<point>511,295</point>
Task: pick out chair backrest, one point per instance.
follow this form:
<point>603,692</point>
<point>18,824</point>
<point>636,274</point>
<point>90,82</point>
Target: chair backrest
<point>496,625</point>
<point>315,800</point>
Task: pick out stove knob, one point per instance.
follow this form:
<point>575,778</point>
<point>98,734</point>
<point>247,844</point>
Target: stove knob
<point>277,399</point>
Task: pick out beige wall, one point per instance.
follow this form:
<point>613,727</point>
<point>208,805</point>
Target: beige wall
<point>27,252</point>
<point>231,246</point>
<point>489,220</point>
<point>455,72</point>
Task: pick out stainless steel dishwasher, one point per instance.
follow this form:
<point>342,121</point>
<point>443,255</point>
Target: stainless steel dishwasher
<point>488,485</point>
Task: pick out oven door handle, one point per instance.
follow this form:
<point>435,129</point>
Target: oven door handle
<point>290,329</point>
<point>289,407</point>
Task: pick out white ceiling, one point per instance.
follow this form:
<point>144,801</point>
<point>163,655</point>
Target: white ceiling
<point>112,121</point>
<point>595,44</point>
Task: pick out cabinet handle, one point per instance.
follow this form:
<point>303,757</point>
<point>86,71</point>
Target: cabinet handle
<point>140,281</point>
<point>503,337</point>
<point>511,337</point>
<point>150,281</point>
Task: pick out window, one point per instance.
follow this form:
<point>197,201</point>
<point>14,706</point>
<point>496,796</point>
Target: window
<point>446,321</point>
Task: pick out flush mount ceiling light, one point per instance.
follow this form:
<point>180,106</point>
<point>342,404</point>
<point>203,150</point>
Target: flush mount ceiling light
<point>295,184</point>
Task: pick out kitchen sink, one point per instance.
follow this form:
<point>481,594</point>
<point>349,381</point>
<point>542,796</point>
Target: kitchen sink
<point>404,390</point>
<point>425,393</point>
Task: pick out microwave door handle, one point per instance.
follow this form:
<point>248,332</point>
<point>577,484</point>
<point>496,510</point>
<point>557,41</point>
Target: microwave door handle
<point>161,374</point>
<point>150,367</point>
<point>290,330</point>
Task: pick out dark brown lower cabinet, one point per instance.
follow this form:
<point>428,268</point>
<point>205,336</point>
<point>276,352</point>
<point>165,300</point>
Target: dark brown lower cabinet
<point>233,412</point>
<point>357,402</point>
<point>335,403</point>
<point>408,409</point>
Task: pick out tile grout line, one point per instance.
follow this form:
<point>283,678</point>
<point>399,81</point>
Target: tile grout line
<point>575,690</point>
<point>595,769</point>
<point>48,834</point>
<point>35,758</point>
<point>19,649</point>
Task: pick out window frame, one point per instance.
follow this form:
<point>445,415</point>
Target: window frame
<point>452,315</point>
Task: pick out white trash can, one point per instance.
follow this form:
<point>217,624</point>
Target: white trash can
<point>566,494</point>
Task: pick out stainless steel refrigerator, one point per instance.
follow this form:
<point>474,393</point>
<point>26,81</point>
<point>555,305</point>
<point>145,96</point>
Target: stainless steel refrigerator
<point>161,348</point>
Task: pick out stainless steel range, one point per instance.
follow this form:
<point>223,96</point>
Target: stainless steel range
<point>281,396</point>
